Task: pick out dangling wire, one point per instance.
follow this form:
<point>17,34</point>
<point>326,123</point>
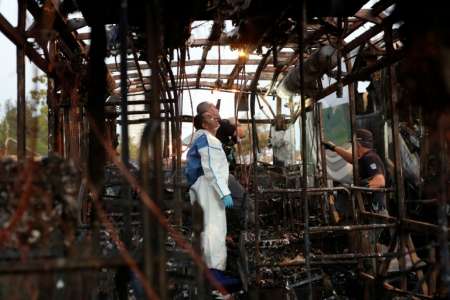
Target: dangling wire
<point>219,62</point>
<point>185,81</point>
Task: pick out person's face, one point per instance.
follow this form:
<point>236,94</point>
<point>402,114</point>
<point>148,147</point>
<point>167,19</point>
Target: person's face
<point>210,122</point>
<point>240,131</point>
<point>360,149</point>
<point>213,111</point>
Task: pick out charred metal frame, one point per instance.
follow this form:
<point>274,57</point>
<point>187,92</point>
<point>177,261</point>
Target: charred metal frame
<point>66,139</point>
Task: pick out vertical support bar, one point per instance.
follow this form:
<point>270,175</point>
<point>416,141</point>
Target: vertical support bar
<point>326,207</point>
<point>443,203</point>
<point>51,115</point>
<point>339,58</point>
<point>399,186</point>
<point>155,256</point>
<point>125,155</point>
<point>253,89</point>
<point>75,121</point>
<point>59,128</point>
<point>197,229</point>
<point>178,175</point>
<point>125,152</point>
<point>278,106</point>
<point>66,130</point>
<point>123,80</point>
<point>95,105</point>
<point>176,138</point>
<point>21,103</point>
<point>352,111</point>
<point>303,143</point>
<point>323,157</point>
<point>362,236</point>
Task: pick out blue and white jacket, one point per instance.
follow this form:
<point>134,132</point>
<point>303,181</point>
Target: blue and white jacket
<point>207,158</point>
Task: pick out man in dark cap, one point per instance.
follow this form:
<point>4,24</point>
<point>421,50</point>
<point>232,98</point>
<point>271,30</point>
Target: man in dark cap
<point>370,166</point>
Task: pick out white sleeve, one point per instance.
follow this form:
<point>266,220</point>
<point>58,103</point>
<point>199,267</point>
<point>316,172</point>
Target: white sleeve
<point>215,167</point>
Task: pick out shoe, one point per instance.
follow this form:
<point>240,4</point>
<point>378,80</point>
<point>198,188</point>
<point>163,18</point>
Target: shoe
<point>231,284</point>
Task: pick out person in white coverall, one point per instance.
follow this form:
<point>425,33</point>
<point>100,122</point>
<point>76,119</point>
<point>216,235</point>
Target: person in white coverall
<point>207,174</point>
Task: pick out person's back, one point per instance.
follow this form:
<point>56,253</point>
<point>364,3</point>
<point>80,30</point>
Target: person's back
<point>369,166</point>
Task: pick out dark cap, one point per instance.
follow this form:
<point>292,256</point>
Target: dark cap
<point>365,138</point>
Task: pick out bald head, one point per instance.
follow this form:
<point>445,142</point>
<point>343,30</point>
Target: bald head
<point>209,108</point>
<point>204,107</point>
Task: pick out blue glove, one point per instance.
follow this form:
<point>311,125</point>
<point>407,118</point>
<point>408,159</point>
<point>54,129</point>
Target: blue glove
<point>230,157</point>
<point>228,201</point>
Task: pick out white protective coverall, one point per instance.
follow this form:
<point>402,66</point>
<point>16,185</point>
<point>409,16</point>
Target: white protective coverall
<point>207,173</point>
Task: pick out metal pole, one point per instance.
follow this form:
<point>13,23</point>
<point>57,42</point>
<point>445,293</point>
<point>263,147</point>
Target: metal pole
<point>123,79</point>
<point>253,89</point>
<point>66,129</point>
<point>399,185</point>
<point>323,157</point>
<point>442,209</point>
<point>21,104</point>
<point>304,152</point>
<point>339,58</point>
<point>197,228</point>
<point>177,142</point>
<point>352,111</point>
<point>156,258</point>
<point>125,153</point>
<point>363,243</point>
<point>51,115</point>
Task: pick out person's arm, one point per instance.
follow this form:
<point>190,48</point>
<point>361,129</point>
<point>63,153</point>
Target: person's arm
<point>346,155</point>
<point>377,181</point>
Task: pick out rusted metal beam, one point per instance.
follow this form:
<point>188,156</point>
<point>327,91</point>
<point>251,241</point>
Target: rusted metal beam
<point>408,224</point>
<point>138,68</point>
<point>188,119</point>
<point>72,46</point>
<point>285,59</point>
<point>333,229</point>
<point>51,116</point>
<point>131,66</point>
<point>367,15</point>
<point>216,31</point>
<point>203,85</point>
<point>249,76</point>
<point>226,41</point>
<point>363,38</point>
<point>94,108</point>
<point>60,265</point>
<point>355,76</point>
<point>21,104</point>
<point>239,64</point>
<point>305,157</point>
<point>154,234</point>
<point>242,61</point>
<point>399,183</point>
<point>19,40</point>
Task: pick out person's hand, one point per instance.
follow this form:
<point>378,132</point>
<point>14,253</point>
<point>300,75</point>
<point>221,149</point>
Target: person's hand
<point>364,182</point>
<point>228,201</point>
<point>329,146</point>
